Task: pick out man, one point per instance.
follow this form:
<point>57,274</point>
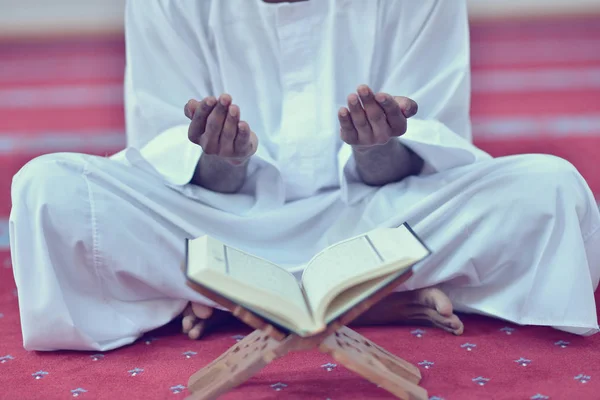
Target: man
<point>296,137</point>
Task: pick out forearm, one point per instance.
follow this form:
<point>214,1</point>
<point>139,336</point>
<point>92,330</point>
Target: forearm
<point>382,164</point>
<point>219,175</point>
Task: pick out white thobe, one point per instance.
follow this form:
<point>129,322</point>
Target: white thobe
<point>97,243</point>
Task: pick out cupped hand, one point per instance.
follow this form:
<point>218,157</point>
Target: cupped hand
<point>216,127</point>
<point>373,119</point>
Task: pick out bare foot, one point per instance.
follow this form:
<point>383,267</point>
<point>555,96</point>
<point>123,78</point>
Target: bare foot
<point>198,319</point>
<point>428,306</point>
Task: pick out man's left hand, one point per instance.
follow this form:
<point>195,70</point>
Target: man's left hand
<point>379,118</point>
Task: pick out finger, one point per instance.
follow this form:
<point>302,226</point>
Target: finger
<point>375,115</point>
<point>393,113</point>
<point>347,129</point>
<point>242,143</point>
<point>229,132</point>
<point>409,106</point>
<point>359,119</point>
<point>190,108</point>
<point>199,114</point>
<point>214,124</point>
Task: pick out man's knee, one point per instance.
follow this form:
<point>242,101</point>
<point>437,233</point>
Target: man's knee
<point>545,175</point>
<point>542,183</point>
<point>548,165</point>
<point>50,181</point>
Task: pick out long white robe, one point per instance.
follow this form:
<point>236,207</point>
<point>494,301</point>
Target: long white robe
<point>97,243</point>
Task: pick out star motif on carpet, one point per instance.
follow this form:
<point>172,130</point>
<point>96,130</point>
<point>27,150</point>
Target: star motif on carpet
<point>149,340</point>
<point>135,371</point>
<point>480,380</point>
<point>278,386</point>
<point>508,330</point>
<point>77,392</point>
<point>523,361</point>
<point>468,346</point>
<point>583,378</point>
<point>189,354</point>
<point>177,389</point>
<point>418,333</point>
<point>329,366</point>
<point>6,358</point>
<point>39,374</point>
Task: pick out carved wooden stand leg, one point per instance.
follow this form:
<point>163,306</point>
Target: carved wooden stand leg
<point>347,347</point>
<point>266,343</point>
<point>375,364</point>
<point>235,366</point>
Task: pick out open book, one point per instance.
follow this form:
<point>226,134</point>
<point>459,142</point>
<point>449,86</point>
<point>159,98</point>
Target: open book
<point>334,280</point>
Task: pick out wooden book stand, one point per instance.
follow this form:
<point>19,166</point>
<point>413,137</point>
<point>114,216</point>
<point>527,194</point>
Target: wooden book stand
<point>267,343</point>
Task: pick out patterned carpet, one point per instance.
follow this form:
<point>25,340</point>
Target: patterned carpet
<point>536,89</point>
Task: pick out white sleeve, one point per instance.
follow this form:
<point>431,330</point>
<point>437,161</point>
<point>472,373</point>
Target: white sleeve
<point>423,53</point>
<point>171,59</point>
<point>165,68</point>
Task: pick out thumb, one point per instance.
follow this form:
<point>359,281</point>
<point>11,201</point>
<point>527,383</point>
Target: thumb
<point>408,106</point>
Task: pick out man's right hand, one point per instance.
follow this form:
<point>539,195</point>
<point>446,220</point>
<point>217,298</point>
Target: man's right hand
<point>216,127</point>
<point>227,142</point>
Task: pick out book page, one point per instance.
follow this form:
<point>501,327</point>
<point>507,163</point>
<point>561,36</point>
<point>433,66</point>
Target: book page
<point>344,301</point>
<point>244,277</point>
<point>356,261</point>
<point>262,274</point>
<point>336,264</point>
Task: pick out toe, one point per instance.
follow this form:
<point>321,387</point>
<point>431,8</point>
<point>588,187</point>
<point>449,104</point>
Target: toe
<point>197,330</point>
<point>456,325</point>
<point>425,315</point>
<point>188,323</point>
<point>436,299</point>
<point>451,324</point>
<point>201,311</point>
<point>188,320</point>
